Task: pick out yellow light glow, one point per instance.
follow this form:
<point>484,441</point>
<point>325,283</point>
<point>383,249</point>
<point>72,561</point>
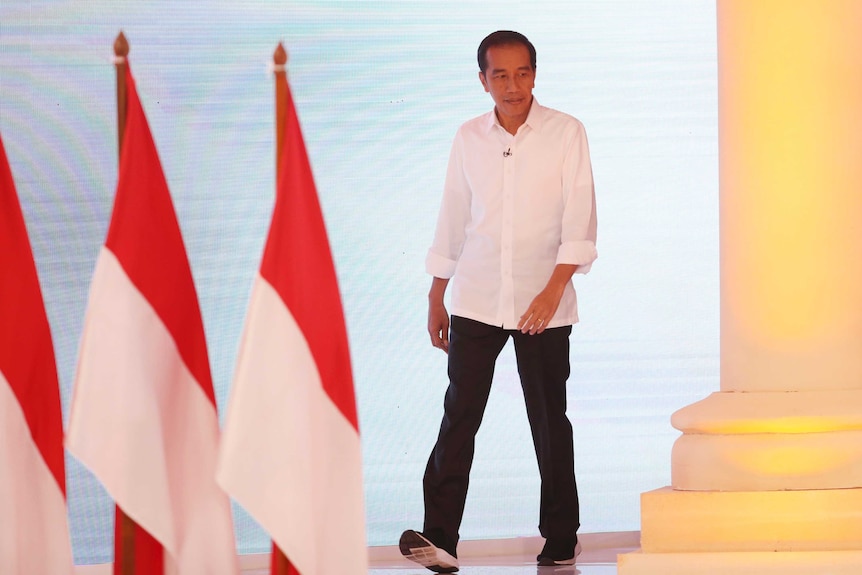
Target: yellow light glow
<point>697,522</point>
<point>792,460</point>
<point>791,130</point>
<point>789,424</point>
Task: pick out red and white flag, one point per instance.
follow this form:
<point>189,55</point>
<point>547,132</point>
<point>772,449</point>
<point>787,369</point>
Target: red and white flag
<point>290,451</point>
<point>143,416</point>
<point>34,532</point>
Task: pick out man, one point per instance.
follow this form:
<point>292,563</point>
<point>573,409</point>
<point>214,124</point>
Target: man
<point>517,220</point>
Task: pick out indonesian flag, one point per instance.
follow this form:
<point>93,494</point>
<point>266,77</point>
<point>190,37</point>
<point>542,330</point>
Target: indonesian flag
<point>290,451</point>
<point>34,533</point>
<point>143,411</point>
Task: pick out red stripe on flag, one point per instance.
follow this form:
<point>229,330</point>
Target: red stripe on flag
<point>148,555</point>
<point>26,349</point>
<point>279,564</point>
<point>145,236</point>
<point>297,262</point>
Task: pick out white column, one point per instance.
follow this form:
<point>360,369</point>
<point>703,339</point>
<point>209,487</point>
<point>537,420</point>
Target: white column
<point>767,474</point>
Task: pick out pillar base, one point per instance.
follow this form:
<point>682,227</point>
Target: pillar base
<point>762,441</point>
<point>762,533</point>
<point>702,522</point>
<point>741,563</point>
<point>767,461</point>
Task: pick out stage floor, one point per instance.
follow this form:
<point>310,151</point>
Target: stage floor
<point>600,562</point>
<point>497,557</point>
<point>589,564</point>
<point>508,557</point>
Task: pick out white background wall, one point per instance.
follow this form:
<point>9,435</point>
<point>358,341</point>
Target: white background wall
<point>381,87</point>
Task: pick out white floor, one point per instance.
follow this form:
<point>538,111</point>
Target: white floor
<point>517,556</point>
<point>499,557</point>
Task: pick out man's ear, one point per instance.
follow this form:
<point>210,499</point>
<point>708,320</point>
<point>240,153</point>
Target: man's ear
<point>484,81</point>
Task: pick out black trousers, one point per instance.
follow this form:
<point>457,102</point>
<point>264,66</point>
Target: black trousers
<point>543,366</point>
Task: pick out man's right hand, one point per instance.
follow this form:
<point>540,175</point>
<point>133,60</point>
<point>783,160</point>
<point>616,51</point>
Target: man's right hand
<point>438,317</point>
<point>438,326</point>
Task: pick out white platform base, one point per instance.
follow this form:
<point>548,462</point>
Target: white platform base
<point>757,533</point>
<point>742,563</point>
<point>769,521</point>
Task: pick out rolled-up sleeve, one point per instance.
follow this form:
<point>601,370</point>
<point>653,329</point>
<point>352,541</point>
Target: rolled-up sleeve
<point>578,245</point>
<point>438,266</point>
<point>453,219</point>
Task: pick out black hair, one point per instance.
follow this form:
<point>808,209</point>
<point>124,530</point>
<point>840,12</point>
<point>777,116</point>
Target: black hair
<point>503,38</point>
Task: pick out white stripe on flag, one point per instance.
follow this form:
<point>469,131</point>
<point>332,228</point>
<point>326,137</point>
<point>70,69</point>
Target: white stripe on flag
<point>34,537</point>
<point>146,429</point>
<point>288,454</point>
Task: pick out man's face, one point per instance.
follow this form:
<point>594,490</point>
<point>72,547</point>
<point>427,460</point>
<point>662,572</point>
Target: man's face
<point>509,78</point>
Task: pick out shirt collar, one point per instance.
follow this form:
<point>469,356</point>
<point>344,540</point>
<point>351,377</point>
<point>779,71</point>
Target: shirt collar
<point>535,118</point>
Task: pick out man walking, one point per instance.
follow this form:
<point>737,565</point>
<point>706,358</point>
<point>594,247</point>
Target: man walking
<point>517,220</point>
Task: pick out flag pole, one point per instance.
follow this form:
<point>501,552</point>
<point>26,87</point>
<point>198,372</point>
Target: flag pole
<point>280,564</point>
<point>121,51</point>
<point>124,531</point>
<point>279,58</point>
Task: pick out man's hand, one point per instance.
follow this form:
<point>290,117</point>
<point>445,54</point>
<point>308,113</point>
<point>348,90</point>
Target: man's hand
<point>541,310</point>
<point>438,326</point>
<point>544,306</point>
<point>438,317</point>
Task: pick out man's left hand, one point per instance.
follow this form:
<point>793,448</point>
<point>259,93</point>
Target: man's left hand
<point>541,310</point>
<point>544,306</point>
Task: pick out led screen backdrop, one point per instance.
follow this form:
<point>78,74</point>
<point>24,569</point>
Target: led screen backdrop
<point>381,87</point>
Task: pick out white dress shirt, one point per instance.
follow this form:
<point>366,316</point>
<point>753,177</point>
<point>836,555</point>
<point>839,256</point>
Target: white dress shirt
<point>513,208</point>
